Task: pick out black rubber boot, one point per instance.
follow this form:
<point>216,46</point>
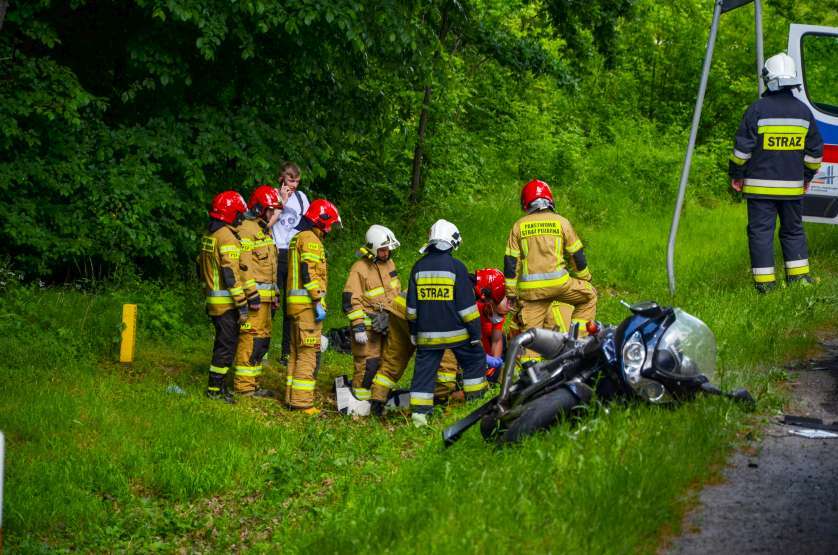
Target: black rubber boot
<point>763,288</point>
<point>217,389</point>
<point>804,280</point>
<point>472,395</point>
<point>376,408</point>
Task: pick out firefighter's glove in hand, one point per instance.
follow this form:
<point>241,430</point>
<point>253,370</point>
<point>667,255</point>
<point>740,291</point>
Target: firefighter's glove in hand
<point>494,362</point>
<point>254,303</point>
<point>243,314</point>
<point>319,312</point>
<point>361,337</point>
<point>275,303</point>
<point>381,321</point>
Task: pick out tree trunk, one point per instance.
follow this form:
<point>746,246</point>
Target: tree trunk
<point>4,5</point>
<point>419,151</point>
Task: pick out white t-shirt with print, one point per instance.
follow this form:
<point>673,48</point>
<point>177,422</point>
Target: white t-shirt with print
<point>284,228</point>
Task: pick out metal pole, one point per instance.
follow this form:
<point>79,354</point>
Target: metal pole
<point>685,171</point>
<point>760,53</point>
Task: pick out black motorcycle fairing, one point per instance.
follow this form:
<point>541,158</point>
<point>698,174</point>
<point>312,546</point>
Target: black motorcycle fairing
<point>647,309</point>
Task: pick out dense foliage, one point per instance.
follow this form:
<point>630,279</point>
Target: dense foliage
<point>120,120</point>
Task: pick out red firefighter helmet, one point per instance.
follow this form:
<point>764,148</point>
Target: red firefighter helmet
<point>534,190</point>
<point>227,207</point>
<point>323,214</point>
<point>489,284</point>
<point>264,197</point>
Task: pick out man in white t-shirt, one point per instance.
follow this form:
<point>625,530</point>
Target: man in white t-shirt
<point>283,228</point>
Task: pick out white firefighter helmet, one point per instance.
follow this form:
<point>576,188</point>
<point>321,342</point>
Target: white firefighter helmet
<point>380,237</point>
<point>443,235</point>
<point>779,71</point>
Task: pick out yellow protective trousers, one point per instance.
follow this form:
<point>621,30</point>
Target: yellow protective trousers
<point>537,313</point>
<point>394,359</point>
<point>253,345</point>
<point>302,362</point>
<point>446,377</point>
<point>558,318</point>
<point>367,359</point>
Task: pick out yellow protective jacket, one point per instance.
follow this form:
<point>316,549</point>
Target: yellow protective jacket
<point>307,271</point>
<point>370,287</point>
<point>219,263</point>
<point>398,307</point>
<point>542,252</point>
<point>258,257</point>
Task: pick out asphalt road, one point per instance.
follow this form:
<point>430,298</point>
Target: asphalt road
<point>781,496</point>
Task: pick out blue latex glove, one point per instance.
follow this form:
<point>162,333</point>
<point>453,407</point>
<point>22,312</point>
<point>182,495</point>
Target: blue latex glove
<point>494,362</point>
<point>319,313</point>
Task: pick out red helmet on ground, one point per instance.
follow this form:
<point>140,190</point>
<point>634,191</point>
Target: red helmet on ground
<point>264,197</point>
<point>227,207</point>
<point>489,284</point>
<point>534,190</point>
<point>323,214</point>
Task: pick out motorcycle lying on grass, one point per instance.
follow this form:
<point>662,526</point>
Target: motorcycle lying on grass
<point>658,355</point>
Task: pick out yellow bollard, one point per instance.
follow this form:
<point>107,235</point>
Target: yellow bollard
<point>129,333</point>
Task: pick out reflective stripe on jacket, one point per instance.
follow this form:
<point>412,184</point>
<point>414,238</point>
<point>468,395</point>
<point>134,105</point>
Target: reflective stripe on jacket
<point>370,287</point>
<point>258,258</point>
<point>219,263</point>
<point>777,148</point>
<point>441,308</point>
<point>536,250</point>
<point>307,270</point>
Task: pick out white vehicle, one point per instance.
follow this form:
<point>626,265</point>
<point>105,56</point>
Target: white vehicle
<point>815,51</point>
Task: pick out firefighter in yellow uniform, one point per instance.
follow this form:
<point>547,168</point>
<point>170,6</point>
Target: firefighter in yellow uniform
<point>372,284</point>
<point>396,355</point>
<point>258,265</point>
<point>226,294</point>
<point>306,286</point>
<point>545,262</point>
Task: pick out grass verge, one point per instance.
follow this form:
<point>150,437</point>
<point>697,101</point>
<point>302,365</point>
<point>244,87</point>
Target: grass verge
<point>104,458</point>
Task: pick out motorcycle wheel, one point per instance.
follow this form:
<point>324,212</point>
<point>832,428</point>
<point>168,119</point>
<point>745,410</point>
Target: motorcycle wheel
<point>489,427</point>
<point>540,414</point>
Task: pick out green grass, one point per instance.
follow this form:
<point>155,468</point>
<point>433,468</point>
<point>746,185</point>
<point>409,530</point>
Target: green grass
<point>101,457</point>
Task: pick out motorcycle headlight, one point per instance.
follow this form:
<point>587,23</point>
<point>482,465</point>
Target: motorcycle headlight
<point>634,356</point>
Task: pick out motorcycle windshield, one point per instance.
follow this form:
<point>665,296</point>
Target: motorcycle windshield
<point>693,345</point>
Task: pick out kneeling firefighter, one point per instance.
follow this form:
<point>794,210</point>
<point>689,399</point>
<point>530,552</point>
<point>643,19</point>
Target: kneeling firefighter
<point>398,348</point>
<point>258,264</point>
<point>545,262</point>
<point>306,286</point>
<point>492,304</point>
<point>442,314</point>
<point>227,294</point>
<point>371,286</point>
